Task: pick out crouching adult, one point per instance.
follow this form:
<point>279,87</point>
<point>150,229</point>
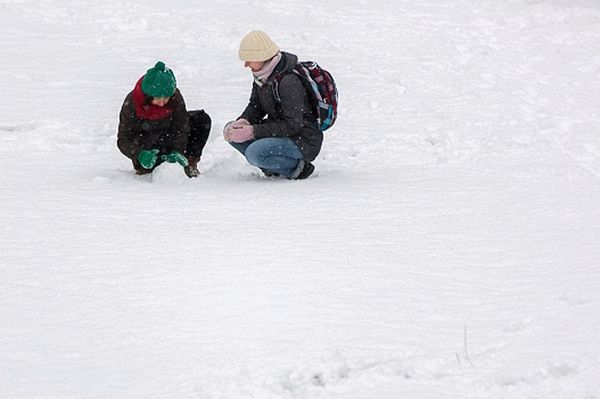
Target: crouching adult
<point>155,126</point>
<point>278,135</point>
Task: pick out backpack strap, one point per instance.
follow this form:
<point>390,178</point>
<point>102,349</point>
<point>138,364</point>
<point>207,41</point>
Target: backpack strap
<point>276,81</point>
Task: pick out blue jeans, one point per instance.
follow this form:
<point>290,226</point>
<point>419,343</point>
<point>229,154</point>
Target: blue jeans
<point>278,155</point>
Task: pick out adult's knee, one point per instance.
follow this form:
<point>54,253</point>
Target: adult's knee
<point>255,153</point>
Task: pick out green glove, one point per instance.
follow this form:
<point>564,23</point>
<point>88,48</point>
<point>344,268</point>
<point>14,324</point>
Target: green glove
<point>175,157</point>
<point>147,158</point>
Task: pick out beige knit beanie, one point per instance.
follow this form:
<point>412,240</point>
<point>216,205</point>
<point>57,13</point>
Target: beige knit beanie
<point>257,46</point>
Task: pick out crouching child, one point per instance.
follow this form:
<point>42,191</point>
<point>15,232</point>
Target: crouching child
<point>155,126</point>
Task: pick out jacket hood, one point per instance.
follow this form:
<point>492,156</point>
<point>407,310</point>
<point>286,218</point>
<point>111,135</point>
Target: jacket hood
<point>287,63</point>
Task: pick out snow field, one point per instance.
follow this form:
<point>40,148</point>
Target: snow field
<point>459,189</point>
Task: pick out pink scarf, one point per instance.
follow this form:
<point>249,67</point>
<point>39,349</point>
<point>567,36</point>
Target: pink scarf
<point>261,76</point>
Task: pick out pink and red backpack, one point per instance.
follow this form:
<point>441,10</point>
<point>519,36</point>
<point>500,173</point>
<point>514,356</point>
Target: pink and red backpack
<point>321,89</point>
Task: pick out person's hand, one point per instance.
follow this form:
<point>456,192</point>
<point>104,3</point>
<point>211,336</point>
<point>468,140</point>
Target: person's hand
<point>240,122</point>
<point>240,134</point>
<point>229,126</point>
<point>148,158</point>
<point>226,129</point>
<point>175,157</point>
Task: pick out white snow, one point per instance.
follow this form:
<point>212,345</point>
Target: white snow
<point>447,247</point>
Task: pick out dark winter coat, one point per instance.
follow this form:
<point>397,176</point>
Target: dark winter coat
<point>293,117</point>
<point>146,126</point>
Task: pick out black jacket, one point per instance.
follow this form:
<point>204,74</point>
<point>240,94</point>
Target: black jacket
<point>167,134</point>
<point>293,117</point>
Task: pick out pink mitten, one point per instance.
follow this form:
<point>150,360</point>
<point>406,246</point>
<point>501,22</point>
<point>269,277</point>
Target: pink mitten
<point>240,122</point>
<point>240,134</point>
<point>229,126</point>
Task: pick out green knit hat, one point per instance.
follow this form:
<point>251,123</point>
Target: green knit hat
<point>159,81</point>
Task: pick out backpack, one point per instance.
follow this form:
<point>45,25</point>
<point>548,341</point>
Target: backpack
<point>321,88</point>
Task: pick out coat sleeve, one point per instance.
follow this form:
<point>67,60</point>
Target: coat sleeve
<point>293,107</point>
<point>128,137</point>
<point>254,112</point>
<point>180,126</point>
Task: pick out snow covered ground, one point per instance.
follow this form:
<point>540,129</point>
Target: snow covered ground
<point>448,246</point>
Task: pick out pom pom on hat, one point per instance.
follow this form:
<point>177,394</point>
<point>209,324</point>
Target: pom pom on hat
<point>159,81</point>
<point>257,46</point>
